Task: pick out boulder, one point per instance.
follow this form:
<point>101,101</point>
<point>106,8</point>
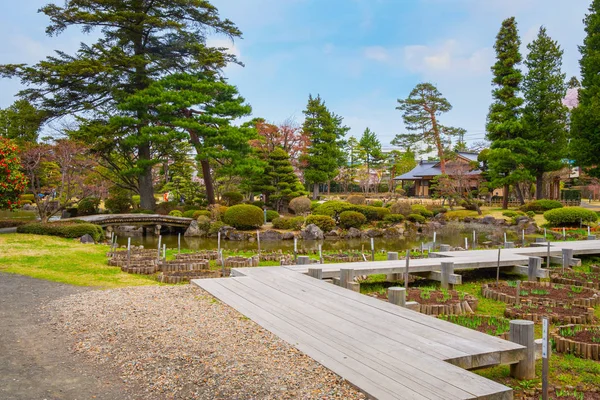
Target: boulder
<point>87,238</point>
<point>288,236</point>
<point>312,232</point>
<point>488,220</point>
<point>236,236</point>
<point>353,233</point>
<point>193,230</point>
<point>331,235</point>
<point>271,235</point>
<point>393,232</point>
<point>371,233</point>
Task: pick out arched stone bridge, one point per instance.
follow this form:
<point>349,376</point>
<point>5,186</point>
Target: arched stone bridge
<point>142,220</point>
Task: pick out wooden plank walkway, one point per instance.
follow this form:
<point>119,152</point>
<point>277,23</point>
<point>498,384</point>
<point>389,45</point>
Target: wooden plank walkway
<point>387,351</point>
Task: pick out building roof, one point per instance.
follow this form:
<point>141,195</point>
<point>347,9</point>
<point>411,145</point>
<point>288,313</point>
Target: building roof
<point>432,168</point>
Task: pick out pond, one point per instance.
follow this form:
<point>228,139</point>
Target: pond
<point>451,234</point>
<point>19,214</point>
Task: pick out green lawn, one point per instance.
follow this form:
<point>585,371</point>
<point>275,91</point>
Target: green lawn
<point>63,260</point>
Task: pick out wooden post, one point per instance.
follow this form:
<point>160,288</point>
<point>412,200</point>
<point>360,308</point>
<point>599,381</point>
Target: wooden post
<point>164,252</point>
<point>179,243</point>
<point>158,249</point>
<point>222,263</point>
<point>466,243</point>
<point>518,295</point>
<point>128,251</point>
<point>303,260</point>
<point>498,268</point>
<point>564,234</point>
<point>548,256</point>
<point>258,241</point>
<point>447,270</point>
<point>295,249</point>
<point>567,255</point>
<point>346,277</point>
<point>392,256</point>
<point>372,249</point>
<point>397,296</point>
<point>406,269</point>
<point>422,250</point>
<point>521,332</point>
<point>315,273</point>
<point>535,263</point>
<point>474,244</point>
<point>321,253</point>
<point>219,242</point>
<point>545,358</point>
<point>434,239</point>
<point>523,237</point>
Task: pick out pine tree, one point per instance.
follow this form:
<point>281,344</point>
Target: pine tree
<point>325,154</point>
<point>573,83</point>
<point>504,126</point>
<point>422,110</point>
<point>21,122</point>
<point>544,115</point>
<point>280,183</point>
<point>370,150</point>
<point>140,41</point>
<point>585,119</point>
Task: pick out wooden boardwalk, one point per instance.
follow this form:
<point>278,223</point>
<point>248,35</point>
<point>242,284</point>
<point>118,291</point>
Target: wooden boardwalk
<point>387,351</point>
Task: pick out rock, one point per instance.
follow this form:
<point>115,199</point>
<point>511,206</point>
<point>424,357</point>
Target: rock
<point>129,230</point>
<point>393,232</point>
<point>287,236</point>
<point>193,230</point>
<point>87,239</point>
<point>371,233</point>
<point>270,235</point>
<point>488,220</point>
<point>312,232</point>
<point>236,236</point>
<point>522,219</point>
<point>28,207</point>
<point>353,233</point>
<point>332,234</point>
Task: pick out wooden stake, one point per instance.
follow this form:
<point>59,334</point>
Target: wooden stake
<point>128,251</point>
<point>372,249</point>
<point>498,268</point>
<point>158,249</point>
<point>179,243</point>
<point>406,272</point>
<point>545,359</point>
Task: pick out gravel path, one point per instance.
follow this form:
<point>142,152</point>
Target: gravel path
<point>179,342</point>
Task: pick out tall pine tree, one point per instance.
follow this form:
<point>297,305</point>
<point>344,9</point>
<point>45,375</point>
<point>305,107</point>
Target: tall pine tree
<point>279,182</point>
<point>325,154</point>
<point>370,151</point>
<point>544,115</point>
<point>585,119</point>
<point>139,42</point>
<point>504,126</point>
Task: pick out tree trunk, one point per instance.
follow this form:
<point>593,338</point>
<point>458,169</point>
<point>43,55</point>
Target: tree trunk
<point>328,188</point>
<point>146,188</point>
<point>520,194</point>
<point>505,197</point>
<point>539,187</point>
<point>315,191</point>
<point>210,190</point>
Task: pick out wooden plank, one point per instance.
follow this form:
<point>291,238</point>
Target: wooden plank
<point>426,372</point>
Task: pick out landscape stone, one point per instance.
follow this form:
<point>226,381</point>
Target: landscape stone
<point>271,235</point>
<point>193,230</point>
<point>288,236</point>
<point>87,238</point>
<point>353,233</point>
<point>312,232</point>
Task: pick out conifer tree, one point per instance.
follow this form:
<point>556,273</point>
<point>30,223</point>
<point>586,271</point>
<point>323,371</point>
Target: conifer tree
<point>325,154</point>
<point>504,126</point>
<point>279,181</point>
<point>585,119</point>
<point>544,115</point>
<point>370,150</point>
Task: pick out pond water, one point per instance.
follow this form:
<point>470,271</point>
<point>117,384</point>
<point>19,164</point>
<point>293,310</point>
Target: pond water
<point>19,214</point>
<point>451,234</point>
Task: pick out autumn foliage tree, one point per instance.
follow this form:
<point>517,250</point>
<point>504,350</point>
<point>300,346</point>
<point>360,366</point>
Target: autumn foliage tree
<point>12,180</point>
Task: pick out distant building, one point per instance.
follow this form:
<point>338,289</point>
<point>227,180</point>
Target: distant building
<point>426,171</point>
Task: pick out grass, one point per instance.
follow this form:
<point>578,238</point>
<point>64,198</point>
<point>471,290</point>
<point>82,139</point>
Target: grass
<point>63,260</point>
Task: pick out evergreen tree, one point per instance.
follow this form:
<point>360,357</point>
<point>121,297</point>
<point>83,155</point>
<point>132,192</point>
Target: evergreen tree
<point>280,183</point>
<point>585,119</point>
<point>370,150</point>
<point>573,83</point>
<point>544,115</point>
<point>21,122</point>
<point>353,151</point>
<point>504,126</point>
<point>139,42</point>
<point>422,110</point>
<point>325,154</point>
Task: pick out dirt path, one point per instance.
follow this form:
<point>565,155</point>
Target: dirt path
<point>35,360</point>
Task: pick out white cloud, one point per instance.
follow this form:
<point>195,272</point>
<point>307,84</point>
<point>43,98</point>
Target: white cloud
<point>228,44</point>
<point>450,57</point>
<point>377,53</point>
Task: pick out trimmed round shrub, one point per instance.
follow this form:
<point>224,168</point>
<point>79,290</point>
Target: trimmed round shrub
<point>271,215</point>
<point>198,213</point>
<point>214,227</point>
<point>244,216</point>
<point>401,208</point>
<point>332,208</point>
<point>377,203</point>
<point>166,207</point>
<point>314,204</point>
<point>88,206</point>
<point>394,218</point>
<point>189,213</point>
<point>356,199</point>
<point>382,212</point>
<point>512,214</point>
<point>217,211</point>
<point>71,230</point>
<point>541,206</point>
<point>416,218</point>
<point>352,219</point>
<point>294,224</point>
<point>422,210</point>
<point>232,198</point>
<point>176,213</point>
<point>258,203</point>
<point>324,222</point>
<point>441,210</point>
<point>203,223</point>
<point>530,214</point>
<point>300,205</point>
<point>570,216</point>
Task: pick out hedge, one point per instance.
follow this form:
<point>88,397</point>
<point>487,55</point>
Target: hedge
<point>394,218</point>
<point>352,219</point>
<point>325,223</point>
<point>232,198</point>
<point>27,196</point>
<point>198,213</point>
<point>540,206</point>
<point>333,209</point>
<point>189,213</point>
<point>419,209</point>
<point>512,214</point>
<point>271,215</point>
<point>416,218</point>
<point>11,223</point>
<point>293,224</point>
<point>70,230</point>
<point>570,216</point>
<point>244,216</point>
<point>175,213</point>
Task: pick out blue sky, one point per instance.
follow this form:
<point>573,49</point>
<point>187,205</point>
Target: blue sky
<point>359,55</point>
